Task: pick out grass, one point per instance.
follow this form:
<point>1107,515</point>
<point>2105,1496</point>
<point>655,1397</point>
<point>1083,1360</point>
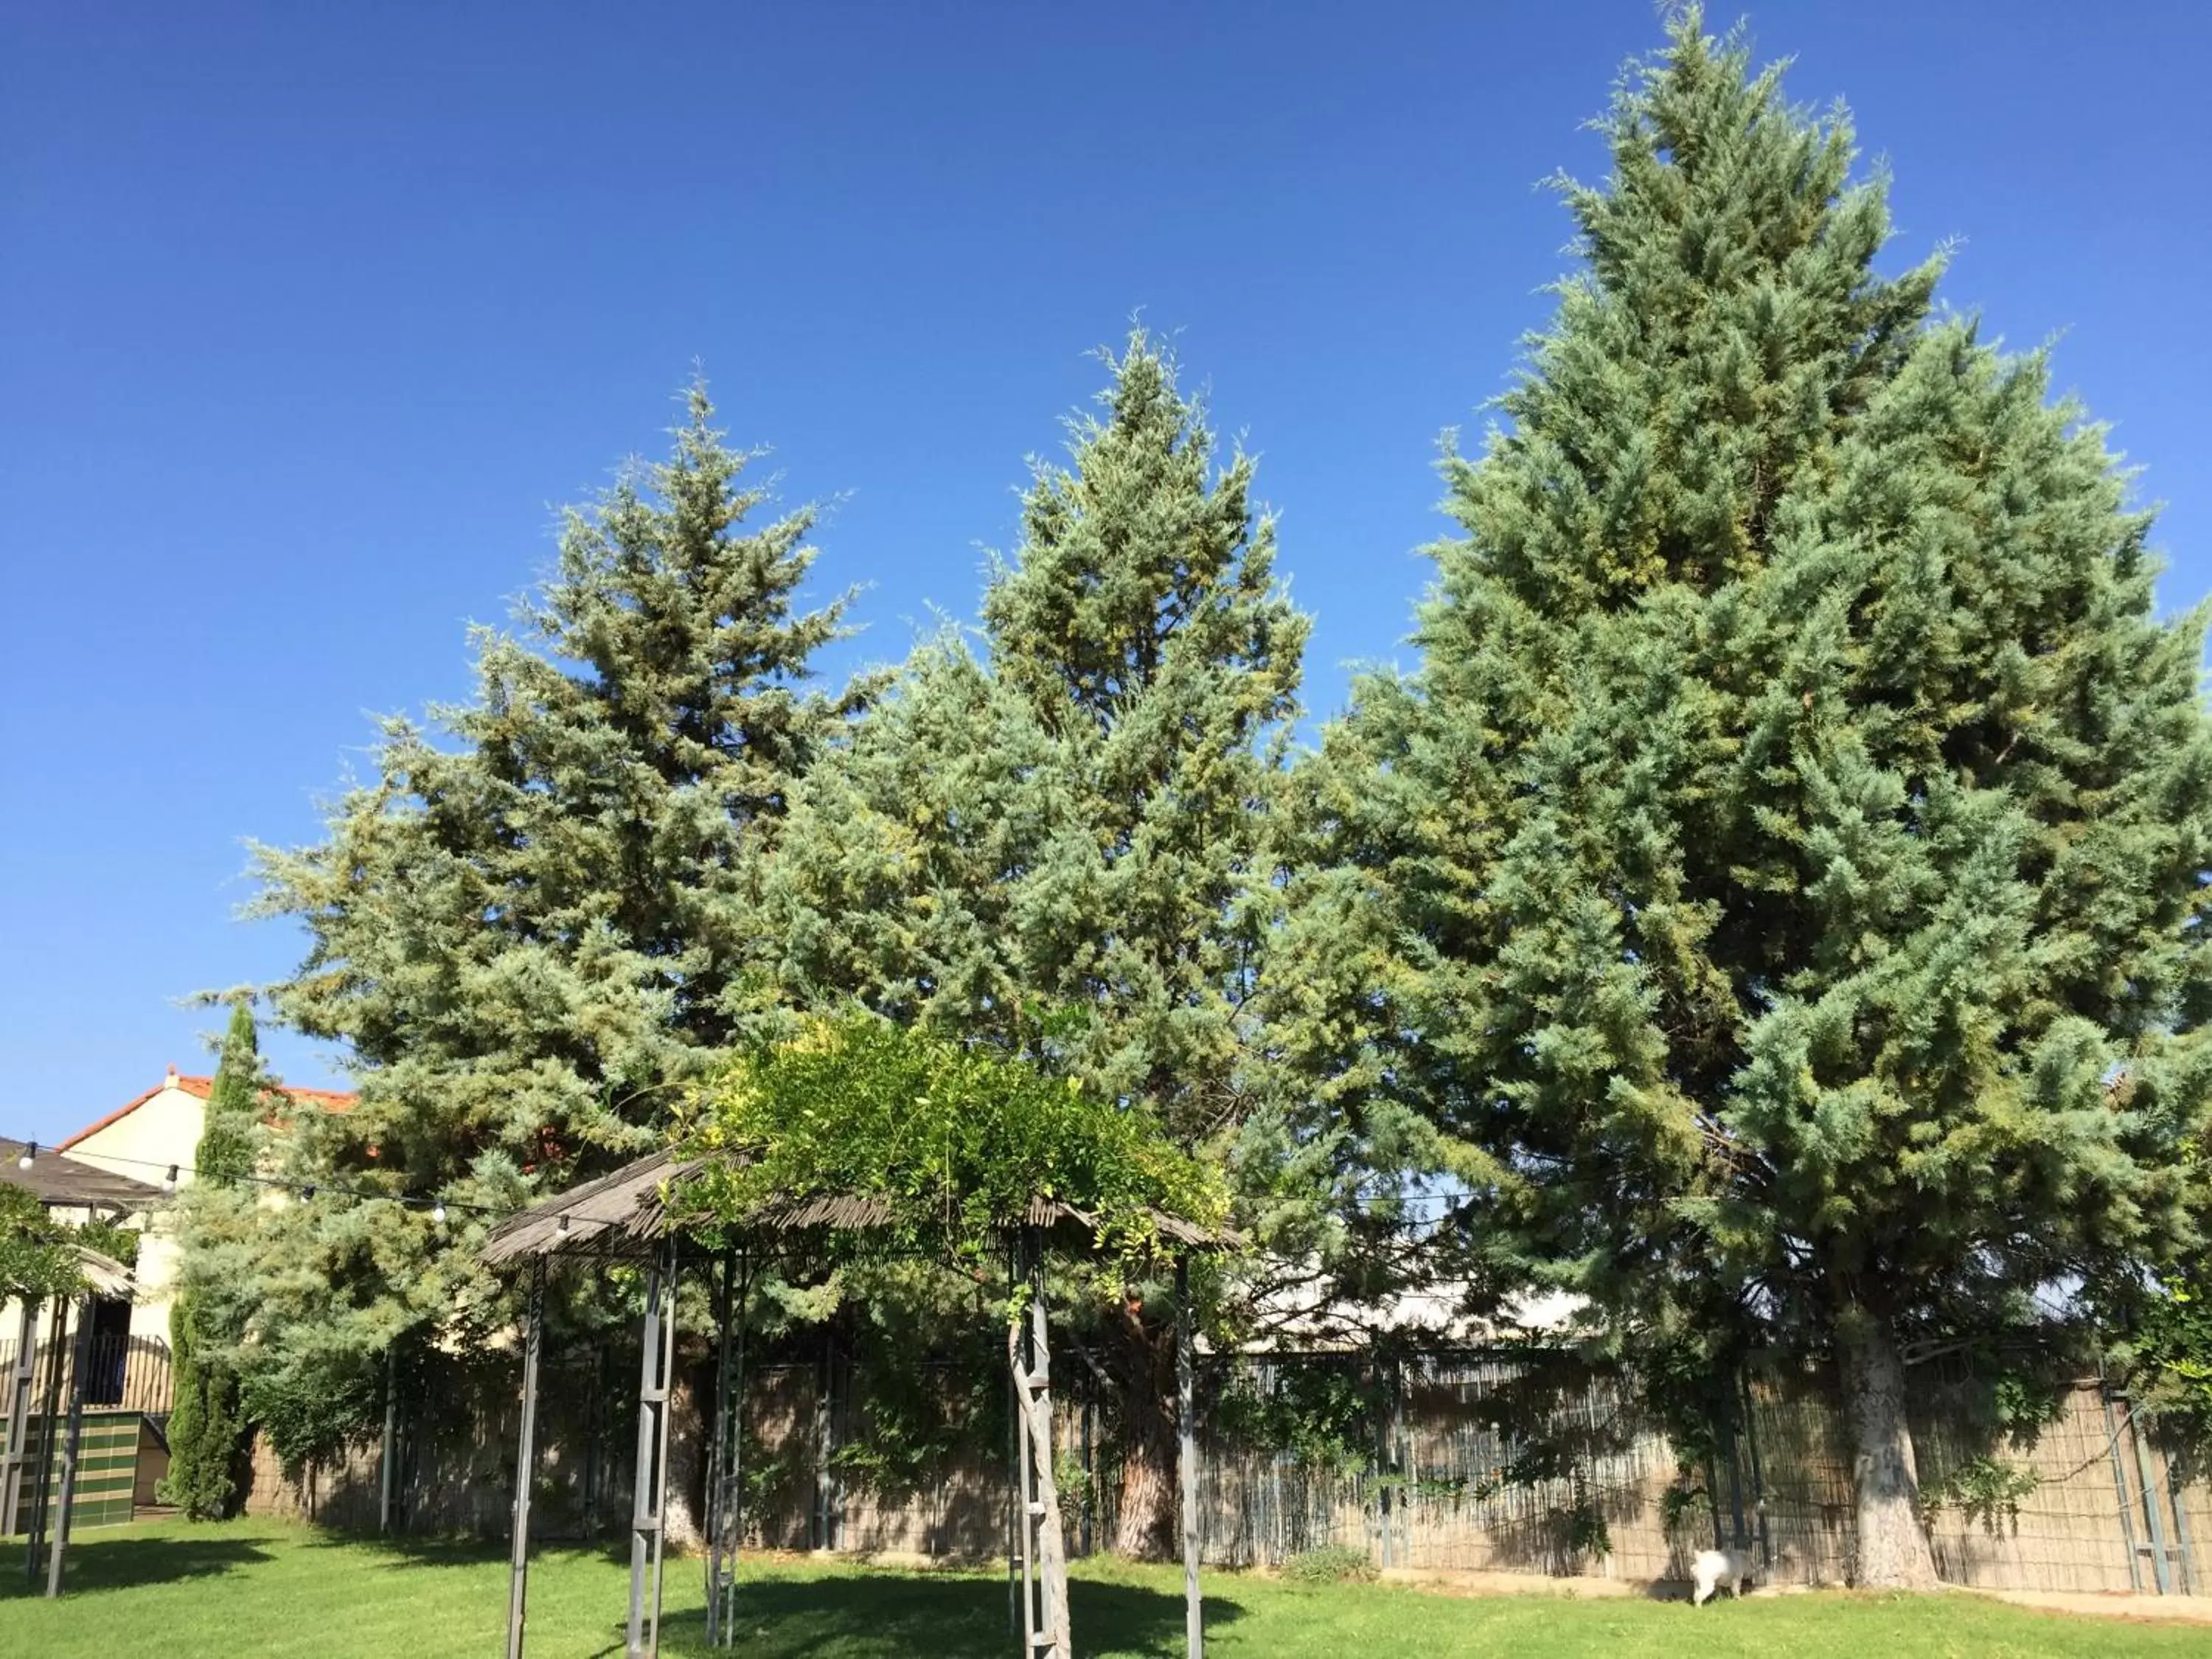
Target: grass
<point>181,1592</point>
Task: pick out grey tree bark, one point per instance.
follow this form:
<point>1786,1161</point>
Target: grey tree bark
<point>687,1457</point>
<point>1893,1543</point>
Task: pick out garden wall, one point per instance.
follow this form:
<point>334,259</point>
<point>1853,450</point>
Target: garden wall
<point>1456,1462</point>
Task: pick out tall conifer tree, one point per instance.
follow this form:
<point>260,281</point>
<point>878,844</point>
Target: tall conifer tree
<point>207,1426</point>
<point>1062,847</point>
<point>1782,889</point>
<point>540,915</point>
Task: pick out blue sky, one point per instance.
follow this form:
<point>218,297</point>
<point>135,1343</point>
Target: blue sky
<point>316,312</point>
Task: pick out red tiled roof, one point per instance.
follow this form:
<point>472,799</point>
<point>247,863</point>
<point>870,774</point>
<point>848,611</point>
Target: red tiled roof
<point>330,1100</point>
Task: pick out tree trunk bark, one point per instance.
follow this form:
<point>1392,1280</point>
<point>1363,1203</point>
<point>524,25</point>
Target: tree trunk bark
<point>1144,1521</point>
<point>1143,1363</point>
<point>687,1461</point>
<point>1892,1544</point>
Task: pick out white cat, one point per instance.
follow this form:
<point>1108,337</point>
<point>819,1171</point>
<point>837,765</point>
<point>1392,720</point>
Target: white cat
<point>1733,1567</point>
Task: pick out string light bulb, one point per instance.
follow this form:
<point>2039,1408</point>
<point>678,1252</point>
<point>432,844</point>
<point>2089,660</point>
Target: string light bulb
<point>169,1182</point>
<point>30,1155</point>
<point>438,1213</point>
<point>307,1193</point>
<point>564,1221</point>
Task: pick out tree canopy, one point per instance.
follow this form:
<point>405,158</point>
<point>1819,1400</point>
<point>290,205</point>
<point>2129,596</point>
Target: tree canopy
<point>1781,888</point>
<point>1059,844</point>
<point>538,918</point>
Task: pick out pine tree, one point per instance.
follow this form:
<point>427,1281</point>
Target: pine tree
<point>1786,866</point>
<point>207,1426</point>
<point>538,917</point>
<point>1062,847</point>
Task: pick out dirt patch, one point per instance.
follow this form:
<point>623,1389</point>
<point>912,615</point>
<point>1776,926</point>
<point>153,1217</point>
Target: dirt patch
<point>1447,1581</point>
<point>2137,1609</point>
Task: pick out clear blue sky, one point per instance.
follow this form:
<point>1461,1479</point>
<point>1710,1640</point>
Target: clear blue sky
<point>314,312</point>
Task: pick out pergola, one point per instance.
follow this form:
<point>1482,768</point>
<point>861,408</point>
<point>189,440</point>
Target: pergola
<point>637,1214</point>
<point>57,1184</point>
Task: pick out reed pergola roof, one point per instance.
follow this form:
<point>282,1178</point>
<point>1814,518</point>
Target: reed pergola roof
<point>104,1275</point>
<point>628,1211</point>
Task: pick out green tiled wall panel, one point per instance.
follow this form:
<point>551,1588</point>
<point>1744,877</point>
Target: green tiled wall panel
<point>107,1467</point>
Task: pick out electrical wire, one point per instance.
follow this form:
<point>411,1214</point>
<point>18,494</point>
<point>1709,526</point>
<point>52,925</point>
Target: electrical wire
<point>306,1191</point>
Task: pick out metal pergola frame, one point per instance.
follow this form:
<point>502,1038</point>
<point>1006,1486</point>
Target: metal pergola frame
<point>58,1183</point>
<point>627,1216</point>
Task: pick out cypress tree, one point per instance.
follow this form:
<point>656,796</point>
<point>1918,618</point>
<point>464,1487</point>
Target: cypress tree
<point>1060,847</point>
<point>538,917</point>
<point>1785,872</point>
<point>207,1426</point>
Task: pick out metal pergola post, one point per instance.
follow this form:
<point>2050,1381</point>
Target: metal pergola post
<point>2162,1565</point>
<point>389,1449</point>
<point>71,1448</point>
<point>525,1465</point>
<point>1016,1488</point>
<point>21,1373</point>
<point>56,1357</point>
<point>649,1504</point>
<point>1042,1539</point>
<point>1194,1608</point>
<point>726,1455</point>
<point>1025,1490</point>
<point>1052,1567</point>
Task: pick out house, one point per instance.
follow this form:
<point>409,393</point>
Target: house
<point>121,1168</point>
<point>154,1139</point>
<point>118,1446</point>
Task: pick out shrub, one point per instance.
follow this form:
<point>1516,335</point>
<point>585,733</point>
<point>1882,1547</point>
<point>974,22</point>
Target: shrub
<point>1332,1563</point>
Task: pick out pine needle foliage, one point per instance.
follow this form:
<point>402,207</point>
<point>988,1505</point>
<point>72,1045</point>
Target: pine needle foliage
<point>538,917</point>
<point>1780,892</point>
<point>1059,844</point>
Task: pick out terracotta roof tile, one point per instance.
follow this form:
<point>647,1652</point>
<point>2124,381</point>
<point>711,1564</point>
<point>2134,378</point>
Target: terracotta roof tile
<point>200,1088</point>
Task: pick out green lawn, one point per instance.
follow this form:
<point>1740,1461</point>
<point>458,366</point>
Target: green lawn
<point>258,1587</point>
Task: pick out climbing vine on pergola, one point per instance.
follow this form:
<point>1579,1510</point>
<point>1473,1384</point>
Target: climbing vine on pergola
<point>855,1129</point>
<point>954,1142</point>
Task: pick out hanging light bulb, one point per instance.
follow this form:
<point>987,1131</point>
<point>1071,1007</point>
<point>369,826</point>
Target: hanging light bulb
<point>564,1221</point>
<point>307,1193</point>
<point>438,1213</point>
<point>169,1182</point>
<point>30,1152</point>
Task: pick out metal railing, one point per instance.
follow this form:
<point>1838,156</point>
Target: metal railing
<point>122,1373</point>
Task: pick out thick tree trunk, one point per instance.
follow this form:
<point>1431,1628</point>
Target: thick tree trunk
<point>1145,1513</point>
<point>1892,1544</point>
<point>687,1457</point>
<point>1144,1516</point>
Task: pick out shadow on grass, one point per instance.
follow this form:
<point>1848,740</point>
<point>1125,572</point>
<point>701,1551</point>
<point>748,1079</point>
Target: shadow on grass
<point>412,1551</point>
<point>864,1616</point>
<point>94,1565</point>
<point>464,1550</point>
